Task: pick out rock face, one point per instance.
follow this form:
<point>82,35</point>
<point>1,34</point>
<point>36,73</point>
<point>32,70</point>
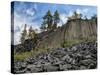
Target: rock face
<point>77,29</point>
<point>74,30</point>
<point>78,57</point>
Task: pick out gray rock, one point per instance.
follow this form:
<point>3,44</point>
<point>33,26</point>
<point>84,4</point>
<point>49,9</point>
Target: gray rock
<point>78,57</point>
<point>86,62</point>
<point>82,67</point>
<point>49,68</point>
<point>74,48</point>
<point>65,67</point>
<point>34,68</point>
<point>21,71</point>
<point>20,66</point>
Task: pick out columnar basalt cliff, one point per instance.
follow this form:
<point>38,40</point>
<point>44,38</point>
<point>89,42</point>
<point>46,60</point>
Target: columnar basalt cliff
<point>77,30</point>
<point>73,32</point>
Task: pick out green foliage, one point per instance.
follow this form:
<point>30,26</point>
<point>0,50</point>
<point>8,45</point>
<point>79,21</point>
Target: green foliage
<point>49,21</point>
<point>56,19</point>
<point>69,43</point>
<point>24,34</point>
<point>43,26</point>
<point>75,14</point>
<point>22,56</point>
<point>31,33</point>
<point>94,18</point>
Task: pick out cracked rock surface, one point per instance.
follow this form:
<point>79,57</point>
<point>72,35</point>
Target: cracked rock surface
<point>78,57</point>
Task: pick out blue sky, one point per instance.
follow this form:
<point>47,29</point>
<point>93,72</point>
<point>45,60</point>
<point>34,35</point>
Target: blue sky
<point>31,14</point>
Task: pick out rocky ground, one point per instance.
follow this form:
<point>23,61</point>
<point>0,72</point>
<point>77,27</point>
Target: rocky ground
<point>77,57</point>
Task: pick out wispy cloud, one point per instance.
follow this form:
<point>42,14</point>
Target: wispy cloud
<point>63,18</point>
<point>30,12</point>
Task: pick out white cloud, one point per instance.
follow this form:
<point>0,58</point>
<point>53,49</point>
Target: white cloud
<point>59,24</point>
<point>63,18</point>
<point>19,23</point>
<point>17,37</point>
<point>84,12</point>
<point>30,12</point>
<point>70,13</point>
<point>35,26</point>
<point>78,11</point>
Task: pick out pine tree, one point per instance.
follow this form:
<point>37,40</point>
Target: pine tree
<point>47,21</point>
<point>94,17</point>
<point>23,34</point>
<point>56,19</point>
<point>31,33</point>
<point>75,15</point>
<point>43,26</point>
